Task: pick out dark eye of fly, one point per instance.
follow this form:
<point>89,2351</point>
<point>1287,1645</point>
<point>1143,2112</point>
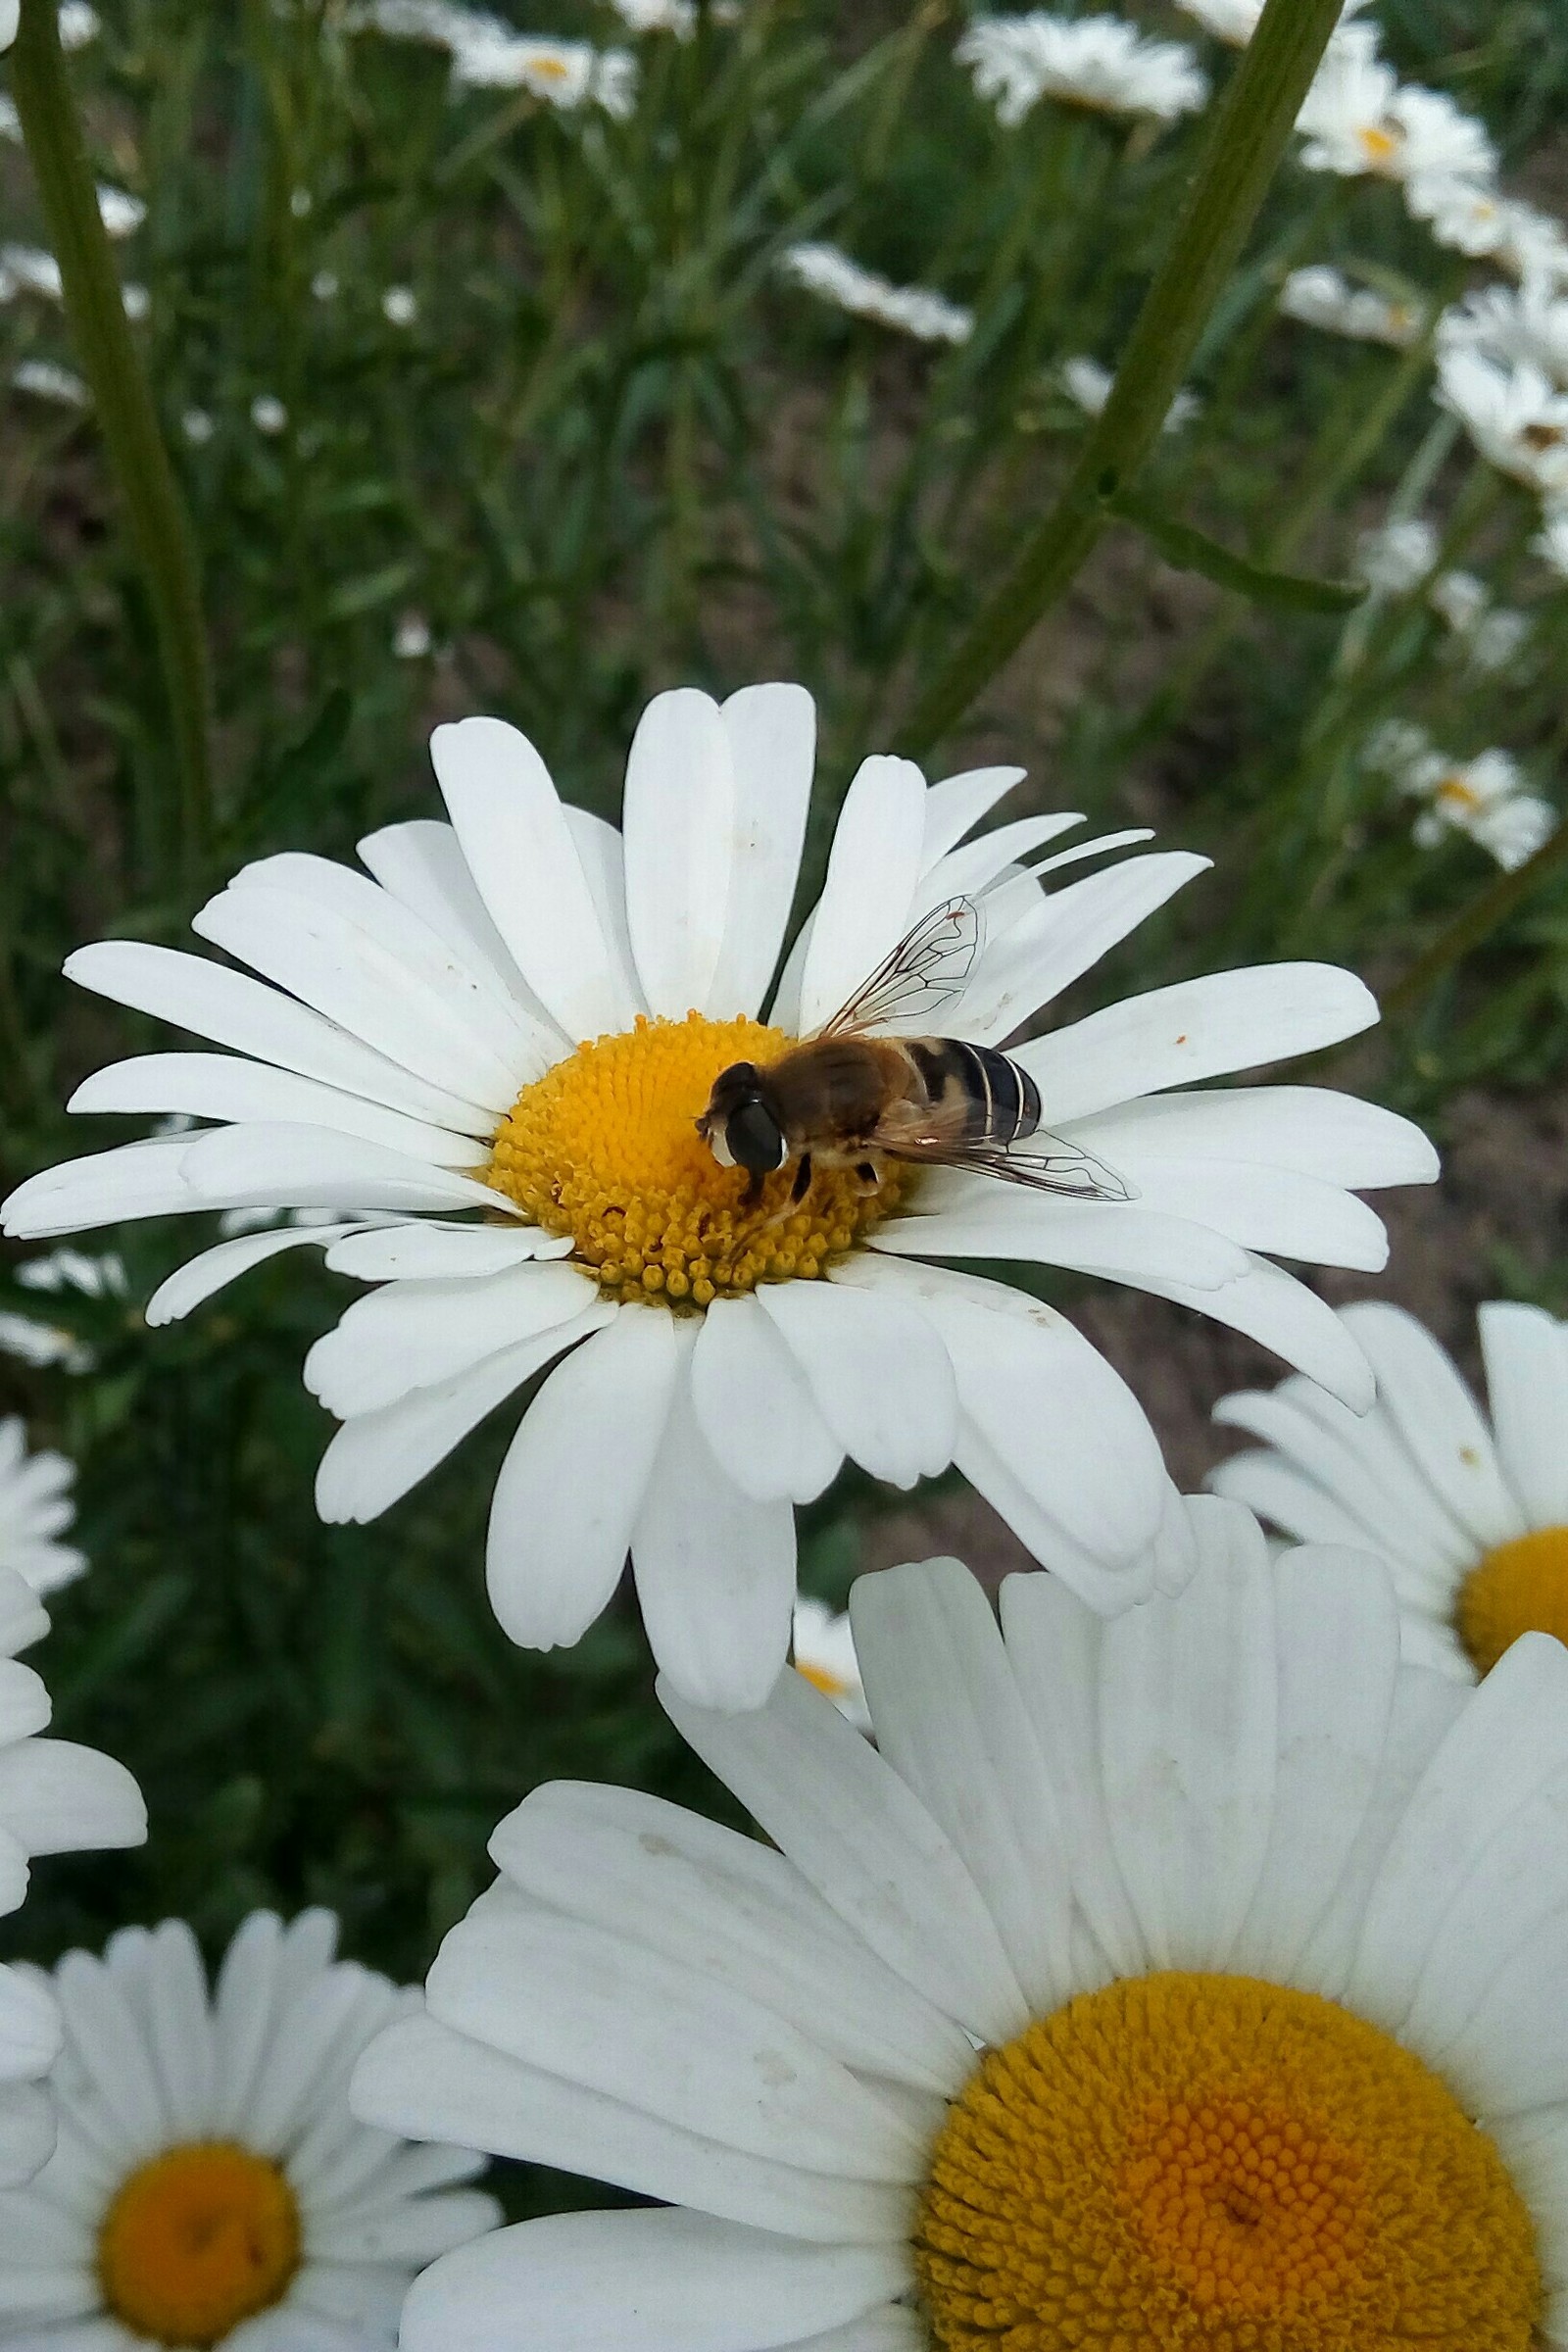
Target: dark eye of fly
<point>754,1138</point>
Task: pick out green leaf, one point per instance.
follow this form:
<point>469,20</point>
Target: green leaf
<point>1190,549</point>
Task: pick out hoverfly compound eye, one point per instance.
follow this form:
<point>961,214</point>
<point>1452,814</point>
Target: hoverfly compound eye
<point>754,1138</point>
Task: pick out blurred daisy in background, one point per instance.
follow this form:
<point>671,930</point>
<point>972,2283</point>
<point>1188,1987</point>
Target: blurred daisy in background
<point>1489,635</point>
<point>54,1798</point>
<point>823,1649</point>
<point>1396,556</point>
<point>268,414</point>
<point>1324,297</point>
<point>1190,1979</point>
<point>209,2185</point>
<point>410,640</point>
<point>831,275</point>
<point>35,1506</point>
<point>1551,543</point>
<point>1516,416</point>
<point>43,379</point>
<point>1088,385</point>
<point>487,53</point>
<point>1236,20</point>
<point>1100,62</point>
<point>1487,798</point>
<point>1470,1513</point>
<point>522,1015</point>
<point>1359,119</point>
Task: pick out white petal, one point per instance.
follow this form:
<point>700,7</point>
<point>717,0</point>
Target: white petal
<point>422,866</point>
<point>990,1220</point>
<point>1272,1210</point>
<point>1057,943</point>
<point>232,1010</point>
<point>1512,2054</point>
<point>1297,1506</point>
<point>871,875</point>
<point>415,2231</point>
<point>200,1278</point>
<point>1308,1129</point>
<point>1485,1768</point>
<point>1063,1423</point>
<point>969,871</point>
<point>1188,1698</point>
<point>1438,1418</point>
<point>1519,1882</point>
<point>375,1459</point>
<point>754,1406</point>
<point>1339,1659</point>
<point>603,853</point>
<point>430,1253</point>
<point>1196,1029</point>
<point>1272,1307</point>
<point>30,2026</point>
<point>574,1480</point>
<point>863,1838</point>
<point>60,1798</point>
<point>520,850</point>
<point>106,2039</point>
<point>951,1722</point>
<point>1526,1354</point>
<point>601,2011</point>
<point>27,2131</point>
<point>956,804</point>
<point>283,1166</point>
<point>420,1334</point>
<point>878,1373</point>
<point>772,742</point>
<point>678,823</point>
<point>224,1085</point>
<point>422,2079</point>
<point>715,1568</point>
<point>652,2281</point>
<point>179,2025</point>
<point>712,1900</point>
<point>132,1180</point>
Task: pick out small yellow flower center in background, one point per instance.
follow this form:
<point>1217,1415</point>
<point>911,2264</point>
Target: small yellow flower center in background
<point>1210,2164</point>
<point>831,1685</point>
<point>604,1147</point>
<point>196,2240</point>
<point>1381,146</point>
<point>1520,1588</point>
<point>1454,792</point>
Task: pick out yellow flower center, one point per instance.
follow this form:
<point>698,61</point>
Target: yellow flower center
<point>604,1147</point>
<point>551,69</point>
<point>196,2240</point>
<point>1187,2163</point>
<point>1454,792</point>
<point>831,1685</point>
<point>1380,145</point>
<point>1520,1588</point>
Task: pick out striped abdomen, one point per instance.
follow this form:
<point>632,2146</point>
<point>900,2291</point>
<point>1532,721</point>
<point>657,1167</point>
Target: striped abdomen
<point>998,1100</point>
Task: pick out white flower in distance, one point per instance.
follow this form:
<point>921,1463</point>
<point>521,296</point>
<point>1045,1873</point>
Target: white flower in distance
<point>1088,385</point>
<point>1397,555</point>
<point>823,1649</point>
<point>1512,326</point>
<point>1473,219</point>
<point>1516,416</point>
<point>565,74</point>
<point>1551,543</point>
<point>1324,297</point>
<point>209,2185</point>
<point>54,1798</point>
<point>420,1053</point>
<point>35,1506</point>
<point>1100,62</point>
<point>1194,1978</point>
<point>1487,797</point>
<point>1470,1513</point>
<point>42,380</point>
<point>1488,635</point>
<point>10,18</point>
<point>1359,120</point>
<point>120,214</point>
<point>1236,20</point>
<point>826,272</point>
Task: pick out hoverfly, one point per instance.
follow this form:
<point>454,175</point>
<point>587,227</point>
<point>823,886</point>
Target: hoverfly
<point>845,1096</point>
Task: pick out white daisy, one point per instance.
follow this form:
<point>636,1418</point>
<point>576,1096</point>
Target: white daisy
<point>399,305</point>
<point>54,1798</point>
<point>120,214</point>
<point>42,1346</point>
<point>1489,635</point>
<point>1192,1980</point>
<point>1516,416</point>
<point>826,272</point>
<point>9,119</point>
<point>1487,797</point>
<point>1088,384</point>
<point>410,640</point>
<point>1471,1514</point>
<point>30,270</point>
<point>1100,62</point>
<point>35,1508</point>
<point>10,18</point>
<point>44,380</point>
<point>1236,20</point>
<point>78,23</point>
<point>268,414</point>
<point>1396,556</point>
<point>823,1649</point>
<point>1472,217</point>
<point>209,2185</point>
<point>1359,119</point>
<point>679,17</point>
<point>565,74</point>
<point>102,1277</point>
<point>425,1061</point>
<point>1324,297</point>
<point>1512,326</point>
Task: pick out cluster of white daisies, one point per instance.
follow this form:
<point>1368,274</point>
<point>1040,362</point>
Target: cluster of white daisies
<point>1178,1960</point>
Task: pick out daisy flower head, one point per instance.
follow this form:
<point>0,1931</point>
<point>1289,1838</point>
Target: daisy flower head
<point>831,275</point>
<point>35,1506</point>
<point>1512,326</point>
<point>1396,556</point>
<point>1515,415</point>
<point>1468,1507</point>
<point>1323,297</point>
<point>1359,119</point>
<point>54,1798</point>
<point>823,1649</point>
<point>563,74</point>
<point>1488,635</point>
<point>1086,385</point>
<point>1487,797</point>
<point>503,1043</point>
<point>210,2185</point>
<point>1100,62</point>
<point>1190,1979</point>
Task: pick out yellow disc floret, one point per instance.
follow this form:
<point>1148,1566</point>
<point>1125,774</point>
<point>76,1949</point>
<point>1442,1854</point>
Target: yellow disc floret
<point>1520,1588</point>
<point>604,1147</point>
<point>196,2240</point>
<point>1187,2163</point>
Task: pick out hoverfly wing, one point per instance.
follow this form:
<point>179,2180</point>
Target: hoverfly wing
<point>1045,1163</point>
<point>923,972</point>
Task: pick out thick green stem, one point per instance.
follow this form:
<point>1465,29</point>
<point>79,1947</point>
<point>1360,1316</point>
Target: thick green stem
<point>124,403</point>
<point>1474,923</point>
<point>1247,138</point>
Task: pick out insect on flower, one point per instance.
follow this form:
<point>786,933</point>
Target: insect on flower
<point>846,1096</point>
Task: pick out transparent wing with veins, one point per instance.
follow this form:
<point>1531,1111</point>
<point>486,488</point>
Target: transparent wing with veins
<point>1043,1161</point>
<point>925,972</point>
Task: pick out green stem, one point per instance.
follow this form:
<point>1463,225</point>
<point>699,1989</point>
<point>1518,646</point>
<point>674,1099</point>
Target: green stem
<point>1475,922</point>
<point>124,405</point>
<point>1247,137</point>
